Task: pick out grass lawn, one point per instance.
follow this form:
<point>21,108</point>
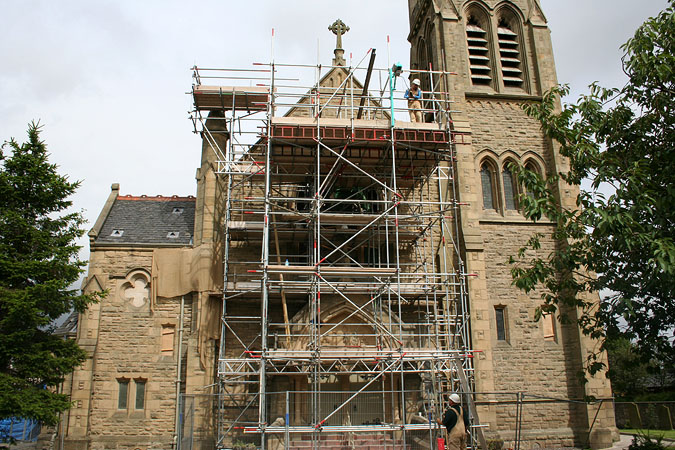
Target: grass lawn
<point>667,434</point>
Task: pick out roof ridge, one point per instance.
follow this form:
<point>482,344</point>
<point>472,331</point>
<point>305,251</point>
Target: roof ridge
<point>156,198</point>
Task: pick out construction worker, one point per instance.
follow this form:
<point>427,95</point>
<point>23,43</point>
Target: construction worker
<point>414,95</point>
<point>455,421</point>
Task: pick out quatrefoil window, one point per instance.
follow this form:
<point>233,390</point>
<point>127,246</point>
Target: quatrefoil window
<point>137,289</point>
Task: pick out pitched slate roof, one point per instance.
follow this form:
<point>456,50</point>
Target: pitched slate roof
<point>69,326</point>
<point>149,221</point>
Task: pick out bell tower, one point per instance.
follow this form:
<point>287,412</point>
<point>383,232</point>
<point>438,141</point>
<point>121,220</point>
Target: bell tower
<point>497,48</point>
<point>500,55</point>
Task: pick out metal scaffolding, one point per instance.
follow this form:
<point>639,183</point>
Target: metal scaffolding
<point>345,318</point>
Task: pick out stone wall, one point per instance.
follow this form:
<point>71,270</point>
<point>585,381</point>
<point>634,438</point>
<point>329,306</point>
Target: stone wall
<point>123,337</point>
<point>499,131</point>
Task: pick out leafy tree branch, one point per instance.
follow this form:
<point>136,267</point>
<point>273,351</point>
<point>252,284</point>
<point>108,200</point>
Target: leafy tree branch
<point>621,241</point>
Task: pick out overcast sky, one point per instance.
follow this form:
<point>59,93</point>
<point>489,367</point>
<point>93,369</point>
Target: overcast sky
<point>108,78</point>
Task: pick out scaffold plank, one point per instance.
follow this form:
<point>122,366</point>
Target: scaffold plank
<point>344,428</point>
<point>407,290</point>
<point>374,132</point>
<point>328,270</point>
<point>372,354</point>
<point>229,97</point>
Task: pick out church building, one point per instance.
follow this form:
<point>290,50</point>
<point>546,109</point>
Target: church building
<point>342,269</point>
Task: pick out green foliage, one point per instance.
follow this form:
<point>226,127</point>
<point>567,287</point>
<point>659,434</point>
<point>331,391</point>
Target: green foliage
<point>663,434</point>
<point>643,441</point>
<point>241,445</point>
<point>628,373</point>
<point>622,140</point>
<point>495,444</point>
<point>38,264</point>
<point>664,396</point>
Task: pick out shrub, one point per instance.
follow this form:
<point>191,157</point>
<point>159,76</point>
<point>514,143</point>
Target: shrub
<point>642,441</point>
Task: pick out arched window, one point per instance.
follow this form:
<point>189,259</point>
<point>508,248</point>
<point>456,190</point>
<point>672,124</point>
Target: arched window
<point>430,48</point>
<point>487,179</point>
<point>423,64</point>
<point>426,80</point>
<point>510,192</point>
<point>532,167</point>
<point>510,56</point>
<point>477,39</point>
<point>422,54</point>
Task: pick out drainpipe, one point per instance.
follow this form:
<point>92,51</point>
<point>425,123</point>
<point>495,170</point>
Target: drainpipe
<point>178,372</point>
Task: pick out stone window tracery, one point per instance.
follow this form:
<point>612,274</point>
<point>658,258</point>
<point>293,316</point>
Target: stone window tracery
<point>136,290</point>
<point>496,50</point>
<point>500,189</point>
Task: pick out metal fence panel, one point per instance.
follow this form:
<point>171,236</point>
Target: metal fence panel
<point>186,422</point>
<point>645,415</point>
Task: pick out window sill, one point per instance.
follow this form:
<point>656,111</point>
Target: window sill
<point>511,217</point>
<point>501,96</point>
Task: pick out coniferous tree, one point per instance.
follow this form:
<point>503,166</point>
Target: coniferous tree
<point>38,264</point>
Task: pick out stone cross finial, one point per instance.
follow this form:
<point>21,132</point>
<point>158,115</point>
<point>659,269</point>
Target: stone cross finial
<point>339,28</point>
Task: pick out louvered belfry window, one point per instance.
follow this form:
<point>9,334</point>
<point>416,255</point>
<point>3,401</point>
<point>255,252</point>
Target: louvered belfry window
<point>509,55</point>
<point>479,55</point>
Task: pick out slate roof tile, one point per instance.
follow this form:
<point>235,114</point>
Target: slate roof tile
<point>149,220</point>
